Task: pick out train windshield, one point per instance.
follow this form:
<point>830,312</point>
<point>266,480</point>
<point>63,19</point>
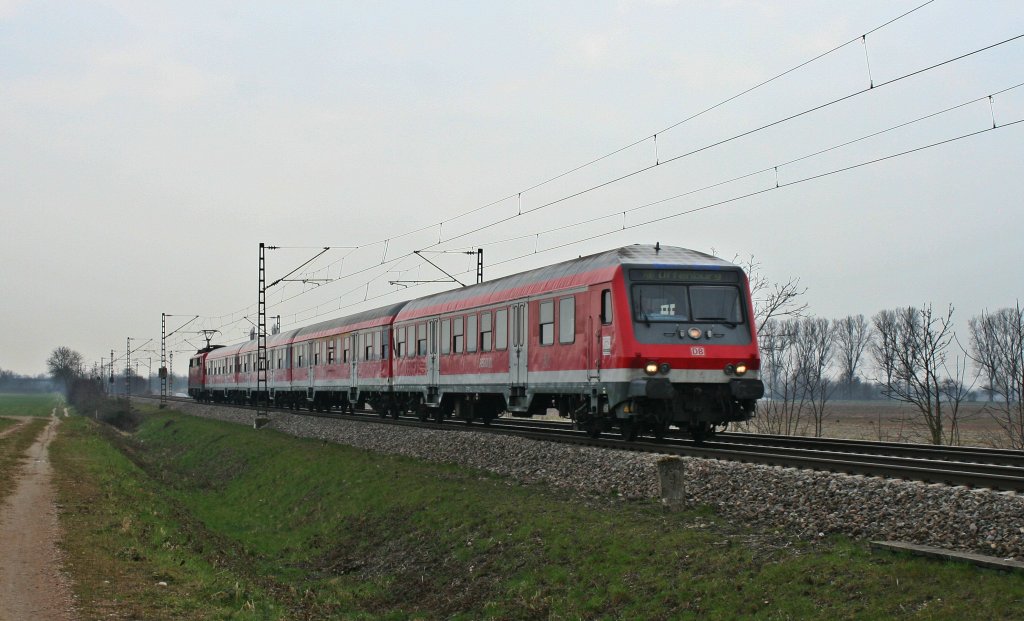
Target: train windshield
<point>689,303</point>
<point>716,304</point>
<point>660,303</point>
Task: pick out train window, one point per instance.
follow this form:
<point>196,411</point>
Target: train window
<point>606,307</point>
<point>471,333</point>
<point>400,342</point>
<point>446,336</point>
<point>421,339</point>
<point>330,351</point>
<point>501,329</point>
<point>567,320</point>
<point>381,344</point>
<point>368,346</point>
<point>346,349</point>
<point>485,331</point>
<point>547,323</point>
<point>316,354</point>
<point>298,355</point>
<point>458,340</point>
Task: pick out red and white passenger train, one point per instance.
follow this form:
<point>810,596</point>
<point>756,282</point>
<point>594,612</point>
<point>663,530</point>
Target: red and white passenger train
<point>636,339</point>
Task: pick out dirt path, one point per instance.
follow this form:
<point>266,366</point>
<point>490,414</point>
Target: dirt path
<point>31,583</point>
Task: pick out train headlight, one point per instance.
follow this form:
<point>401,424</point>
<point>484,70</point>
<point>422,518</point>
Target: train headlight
<point>695,333</point>
<point>651,368</point>
<point>741,369</point>
<point>729,369</point>
<point>664,368</point>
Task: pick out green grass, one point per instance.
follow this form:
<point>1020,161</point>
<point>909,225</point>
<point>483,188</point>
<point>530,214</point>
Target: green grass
<point>315,530</point>
<point>30,405</point>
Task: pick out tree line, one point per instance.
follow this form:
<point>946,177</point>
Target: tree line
<point>15,382</point>
<point>911,355</point>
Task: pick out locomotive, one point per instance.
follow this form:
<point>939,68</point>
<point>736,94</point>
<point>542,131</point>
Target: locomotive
<point>636,339</point>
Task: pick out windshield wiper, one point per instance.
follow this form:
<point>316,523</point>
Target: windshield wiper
<point>643,313</point>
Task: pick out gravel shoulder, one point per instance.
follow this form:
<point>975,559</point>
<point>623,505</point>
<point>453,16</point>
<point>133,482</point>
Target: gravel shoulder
<point>32,585</point>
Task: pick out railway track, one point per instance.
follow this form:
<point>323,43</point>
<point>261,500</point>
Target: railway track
<point>967,466</point>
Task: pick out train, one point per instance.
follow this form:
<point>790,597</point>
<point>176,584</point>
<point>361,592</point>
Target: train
<point>640,339</point>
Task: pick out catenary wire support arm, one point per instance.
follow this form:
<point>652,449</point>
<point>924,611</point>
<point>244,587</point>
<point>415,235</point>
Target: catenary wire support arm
<point>282,279</point>
<point>419,253</point>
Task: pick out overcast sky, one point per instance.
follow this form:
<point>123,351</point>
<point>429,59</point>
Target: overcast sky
<point>147,148</point>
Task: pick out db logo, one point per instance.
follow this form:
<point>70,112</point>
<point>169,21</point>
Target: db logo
<point>696,351</point>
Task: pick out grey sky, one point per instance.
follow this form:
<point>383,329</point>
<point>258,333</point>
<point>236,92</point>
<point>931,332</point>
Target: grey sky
<point>147,148</point>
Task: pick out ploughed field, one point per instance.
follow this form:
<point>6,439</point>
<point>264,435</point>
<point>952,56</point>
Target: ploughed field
<point>189,518</point>
<point>889,421</point>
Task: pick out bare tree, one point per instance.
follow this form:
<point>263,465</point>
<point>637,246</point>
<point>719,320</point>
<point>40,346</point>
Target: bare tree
<point>776,306</point>
<point>813,353</point>
<point>852,335</point>
<point>65,365</point>
<point>772,300</point>
<point>997,348</point>
<point>910,348</point>
<point>782,411</point>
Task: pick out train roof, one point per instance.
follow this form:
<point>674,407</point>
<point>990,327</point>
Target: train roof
<point>592,269</point>
<point>366,319</point>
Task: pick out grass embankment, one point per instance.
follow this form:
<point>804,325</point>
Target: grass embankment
<point>30,405</point>
<point>250,525</point>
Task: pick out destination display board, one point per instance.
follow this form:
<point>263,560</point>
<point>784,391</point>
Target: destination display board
<point>664,275</point>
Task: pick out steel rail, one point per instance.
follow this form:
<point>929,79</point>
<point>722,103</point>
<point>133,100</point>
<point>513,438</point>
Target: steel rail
<point>979,455</point>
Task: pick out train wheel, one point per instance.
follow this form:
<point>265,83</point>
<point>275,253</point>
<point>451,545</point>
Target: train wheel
<point>593,428</point>
<point>628,429</point>
<point>699,432</point>
<point>659,429</point>
<point>438,415</point>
